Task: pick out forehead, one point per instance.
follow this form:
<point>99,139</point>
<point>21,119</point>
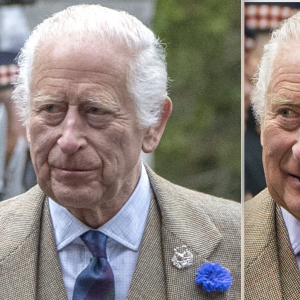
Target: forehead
<point>285,78</point>
<point>76,63</point>
<point>65,45</point>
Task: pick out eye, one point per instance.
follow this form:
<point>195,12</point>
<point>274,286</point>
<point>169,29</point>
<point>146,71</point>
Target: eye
<point>53,109</point>
<point>288,113</point>
<point>50,108</point>
<point>94,110</point>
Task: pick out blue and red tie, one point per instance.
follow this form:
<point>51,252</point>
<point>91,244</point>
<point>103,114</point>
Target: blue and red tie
<point>96,281</point>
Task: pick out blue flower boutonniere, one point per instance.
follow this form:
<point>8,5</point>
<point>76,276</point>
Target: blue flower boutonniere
<point>213,277</point>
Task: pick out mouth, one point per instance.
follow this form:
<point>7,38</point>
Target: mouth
<point>73,169</point>
<point>294,177</point>
<point>72,175</point>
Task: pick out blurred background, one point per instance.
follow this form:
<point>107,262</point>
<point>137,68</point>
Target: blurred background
<point>201,146</point>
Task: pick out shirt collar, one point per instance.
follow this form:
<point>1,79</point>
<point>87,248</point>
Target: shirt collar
<point>126,227</point>
<point>293,228</point>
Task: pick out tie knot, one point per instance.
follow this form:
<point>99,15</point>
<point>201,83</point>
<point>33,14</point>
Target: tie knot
<point>95,242</point>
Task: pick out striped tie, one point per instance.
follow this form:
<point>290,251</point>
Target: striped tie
<point>96,281</point>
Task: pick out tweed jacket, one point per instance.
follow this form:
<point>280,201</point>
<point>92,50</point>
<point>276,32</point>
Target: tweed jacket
<point>271,270</point>
<point>208,226</point>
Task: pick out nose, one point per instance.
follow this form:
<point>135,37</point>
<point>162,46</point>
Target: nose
<point>72,136</point>
<point>296,145</point>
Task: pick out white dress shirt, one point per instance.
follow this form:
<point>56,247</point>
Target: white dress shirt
<point>125,231</point>
<point>293,228</point>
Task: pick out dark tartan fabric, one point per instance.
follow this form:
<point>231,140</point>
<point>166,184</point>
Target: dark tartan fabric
<point>96,281</point>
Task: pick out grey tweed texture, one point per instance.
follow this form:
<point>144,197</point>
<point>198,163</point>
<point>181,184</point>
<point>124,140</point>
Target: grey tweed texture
<point>208,226</point>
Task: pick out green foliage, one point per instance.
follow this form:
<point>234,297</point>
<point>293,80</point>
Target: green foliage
<point>201,146</point>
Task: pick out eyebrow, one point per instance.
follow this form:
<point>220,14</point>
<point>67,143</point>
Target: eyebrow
<point>103,103</point>
<point>99,101</point>
<point>44,98</point>
<point>277,100</point>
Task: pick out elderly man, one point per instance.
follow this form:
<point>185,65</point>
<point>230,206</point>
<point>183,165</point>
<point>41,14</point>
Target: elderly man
<point>100,224</point>
<point>272,219</point>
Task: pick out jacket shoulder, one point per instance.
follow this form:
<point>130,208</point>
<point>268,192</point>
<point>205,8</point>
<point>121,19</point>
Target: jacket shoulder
<point>261,200</point>
<point>216,208</point>
<point>18,219</point>
<point>20,204</point>
<point>208,225</point>
<point>259,226</point>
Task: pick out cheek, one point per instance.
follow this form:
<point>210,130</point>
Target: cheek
<point>42,140</point>
<point>119,151</point>
<point>124,140</point>
<point>131,146</point>
<point>276,143</point>
<point>271,152</point>
<point>277,151</point>
<point>118,154</point>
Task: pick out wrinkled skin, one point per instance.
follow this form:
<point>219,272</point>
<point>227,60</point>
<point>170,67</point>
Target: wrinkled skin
<point>84,134</point>
<point>280,135</point>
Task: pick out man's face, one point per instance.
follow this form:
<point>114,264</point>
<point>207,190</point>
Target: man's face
<point>84,134</point>
<point>281,131</point>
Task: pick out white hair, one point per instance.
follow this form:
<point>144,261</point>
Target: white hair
<point>147,80</point>
<point>286,33</point>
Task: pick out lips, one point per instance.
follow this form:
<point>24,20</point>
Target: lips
<point>73,169</point>
<point>74,166</point>
<point>292,171</point>
<point>295,176</point>
<point>292,179</point>
<point>70,176</point>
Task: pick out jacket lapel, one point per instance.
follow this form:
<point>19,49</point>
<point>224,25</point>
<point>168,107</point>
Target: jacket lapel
<point>29,264</point>
<point>172,222</point>
<point>183,224</point>
<point>148,281</point>
<point>19,246</point>
<point>50,282</point>
<point>271,270</point>
<point>289,272</point>
<point>262,280</point>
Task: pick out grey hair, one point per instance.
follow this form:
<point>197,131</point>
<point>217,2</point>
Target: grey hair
<point>147,79</point>
<point>284,34</point>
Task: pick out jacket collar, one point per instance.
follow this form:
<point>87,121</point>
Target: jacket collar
<point>182,219</point>
<point>183,222</point>
<point>29,256</point>
<point>270,265</point>
<point>180,225</point>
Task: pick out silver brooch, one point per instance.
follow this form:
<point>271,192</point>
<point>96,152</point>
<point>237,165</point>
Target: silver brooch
<point>184,259</point>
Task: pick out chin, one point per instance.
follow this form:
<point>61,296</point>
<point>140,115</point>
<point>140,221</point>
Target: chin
<point>294,209</point>
<point>76,197</point>
<point>75,200</point>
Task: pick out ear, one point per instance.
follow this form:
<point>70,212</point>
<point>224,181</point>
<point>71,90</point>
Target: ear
<point>27,134</point>
<point>261,136</point>
<point>154,133</point>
